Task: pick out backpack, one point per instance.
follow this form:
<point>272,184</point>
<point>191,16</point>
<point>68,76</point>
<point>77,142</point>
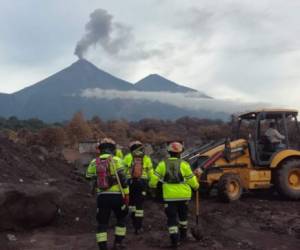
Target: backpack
<point>104,177</point>
<point>137,167</point>
<point>173,174</point>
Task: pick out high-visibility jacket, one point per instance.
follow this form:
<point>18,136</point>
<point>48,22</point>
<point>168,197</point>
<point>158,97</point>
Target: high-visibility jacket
<point>119,153</point>
<point>116,166</point>
<point>179,189</point>
<point>147,166</point>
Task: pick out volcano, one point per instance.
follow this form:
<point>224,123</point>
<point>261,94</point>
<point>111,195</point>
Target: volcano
<point>58,97</point>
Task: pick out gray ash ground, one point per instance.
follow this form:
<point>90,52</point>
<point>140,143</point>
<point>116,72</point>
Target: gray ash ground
<point>254,222</point>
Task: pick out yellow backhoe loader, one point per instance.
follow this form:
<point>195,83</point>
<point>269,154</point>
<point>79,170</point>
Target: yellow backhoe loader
<point>252,161</point>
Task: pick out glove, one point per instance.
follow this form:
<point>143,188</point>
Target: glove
<point>126,200</point>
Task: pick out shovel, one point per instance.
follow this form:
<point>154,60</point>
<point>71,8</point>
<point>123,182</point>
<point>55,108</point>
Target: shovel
<point>118,179</point>
<point>196,231</point>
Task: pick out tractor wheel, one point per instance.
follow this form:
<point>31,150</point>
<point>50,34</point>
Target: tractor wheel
<point>287,179</point>
<point>230,187</point>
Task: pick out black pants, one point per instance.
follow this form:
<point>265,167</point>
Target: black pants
<point>107,203</point>
<point>177,214</point>
<point>137,194</point>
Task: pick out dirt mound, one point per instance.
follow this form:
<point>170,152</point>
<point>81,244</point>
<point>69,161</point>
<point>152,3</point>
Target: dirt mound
<point>37,183</point>
<point>19,163</point>
<point>25,207</point>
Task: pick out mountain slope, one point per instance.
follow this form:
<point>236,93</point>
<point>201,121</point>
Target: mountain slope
<point>80,75</point>
<point>156,82</point>
<point>7,105</point>
<point>54,98</point>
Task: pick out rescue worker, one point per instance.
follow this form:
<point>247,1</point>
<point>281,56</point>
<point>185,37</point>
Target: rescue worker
<point>112,192</point>
<point>178,181</point>
<point>138,171</point>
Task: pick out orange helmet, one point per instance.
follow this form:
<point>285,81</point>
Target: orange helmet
<point>175,147</point>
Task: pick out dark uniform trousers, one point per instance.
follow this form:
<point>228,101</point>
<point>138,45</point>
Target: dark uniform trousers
<point>137,195</point>
<point>107,203</point>
<point>177,214</point>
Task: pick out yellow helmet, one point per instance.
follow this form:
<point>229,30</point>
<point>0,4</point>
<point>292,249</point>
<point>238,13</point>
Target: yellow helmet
<point>175,147</point>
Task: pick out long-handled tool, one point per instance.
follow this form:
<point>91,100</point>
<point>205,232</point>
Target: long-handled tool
<point>118,179</point>
<point>196,231</point>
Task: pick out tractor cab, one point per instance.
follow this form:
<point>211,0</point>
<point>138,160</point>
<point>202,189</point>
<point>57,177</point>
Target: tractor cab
<point>269,131</point>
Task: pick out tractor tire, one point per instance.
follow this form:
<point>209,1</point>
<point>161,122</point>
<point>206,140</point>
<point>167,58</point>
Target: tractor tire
<point>229,187</point>
<point>287,179</point>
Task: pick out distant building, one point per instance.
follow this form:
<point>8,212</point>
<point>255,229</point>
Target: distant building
<point>88,147</point>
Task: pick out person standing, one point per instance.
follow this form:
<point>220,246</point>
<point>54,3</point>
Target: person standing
<point>178,181</point>
<point>138,171</point>
<point>112,193</point>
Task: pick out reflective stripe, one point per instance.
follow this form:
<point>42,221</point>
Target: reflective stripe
<point>123,207</point>
<point>166,205</point>
<point>120,231</point>
<point>183,199</point>
<point>132,208</point>
<point>101,237</point>
<point>173,230</point>
<point>189,177</point>
<point>139,213</point>
<point>107,192</point>
<point>157,174</point>
<point>144,193</point>
<point>183,224</point>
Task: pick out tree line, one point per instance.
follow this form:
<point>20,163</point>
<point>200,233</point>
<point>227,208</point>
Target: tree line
<point>192,130</point>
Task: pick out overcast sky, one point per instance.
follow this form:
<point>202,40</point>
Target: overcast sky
<point>246,50</point>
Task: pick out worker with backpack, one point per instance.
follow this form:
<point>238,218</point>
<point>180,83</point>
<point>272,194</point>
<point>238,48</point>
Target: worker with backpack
<point>138,171</point>
<point>112,193</point>
<point>178,181</point>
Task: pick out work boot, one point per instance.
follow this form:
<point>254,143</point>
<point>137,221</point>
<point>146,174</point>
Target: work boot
<point>102,246</point>
<point>183,235</point>
<point>138,230</point>
<point>174,240</point>
<point>119,246</point>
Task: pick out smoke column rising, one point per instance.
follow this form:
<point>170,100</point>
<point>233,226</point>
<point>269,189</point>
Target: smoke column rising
<point>101,30</point>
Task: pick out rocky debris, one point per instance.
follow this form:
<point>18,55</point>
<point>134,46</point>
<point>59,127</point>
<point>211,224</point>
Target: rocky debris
<point>27,206</point>
<point>18,162</point>
<point>34,192</point>
<point>11,237</point>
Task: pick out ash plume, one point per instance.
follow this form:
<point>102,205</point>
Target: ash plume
<point>102,30</point>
